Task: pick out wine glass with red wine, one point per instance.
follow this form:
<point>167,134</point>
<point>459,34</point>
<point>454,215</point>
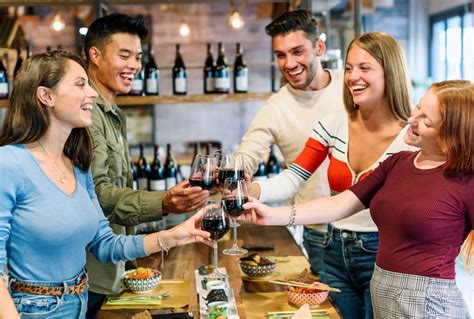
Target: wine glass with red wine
<point>234,195</point>
<point>204,171</point>
<point>215,222</point>
<point>230,166</point>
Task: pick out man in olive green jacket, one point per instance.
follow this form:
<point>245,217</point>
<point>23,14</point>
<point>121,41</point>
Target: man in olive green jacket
<point>114,52</point>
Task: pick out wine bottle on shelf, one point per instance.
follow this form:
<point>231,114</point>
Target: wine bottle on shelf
<point>171,170</point>
<point>142,170</point>
<point>208,148</point>
<point>4,88</point>
<point>196,151</point>
<point>19,61</point>
<point>241,82</point>
<point>157,173</point>
<point>171,175</point>
<point>152,76</point>
<point>179,74</point>
<point>273,165</point>
<point>134,174</point>
<point>222,80</point>
<point>209,69</point>
<point>29,51</point>
<point>261,173</point>
<point>137,84</point>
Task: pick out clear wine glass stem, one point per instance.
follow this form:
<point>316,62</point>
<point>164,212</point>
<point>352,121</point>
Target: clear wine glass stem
<point>215,257</point>
<point>234,232</point>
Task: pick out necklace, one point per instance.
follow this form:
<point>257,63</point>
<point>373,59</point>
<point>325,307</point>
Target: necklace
<point>62,174</point>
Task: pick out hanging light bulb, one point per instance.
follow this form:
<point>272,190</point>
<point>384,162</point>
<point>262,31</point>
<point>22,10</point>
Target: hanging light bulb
<point>235,20</point>
<point>58,23</point>
<point>83,31</point>
<point>184,30</point>
<point>323,37</point>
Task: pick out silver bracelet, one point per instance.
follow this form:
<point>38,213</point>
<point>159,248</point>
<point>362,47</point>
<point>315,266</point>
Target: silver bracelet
<point>291,222</point>
<point>160,244</point>
<point>163,249</point>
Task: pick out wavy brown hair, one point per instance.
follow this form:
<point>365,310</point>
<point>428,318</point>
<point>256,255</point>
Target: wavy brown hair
<point>456,130</point>
<point>27,118</point>
<point>389,54</point>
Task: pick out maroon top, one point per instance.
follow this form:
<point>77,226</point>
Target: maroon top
<point>423,216</point>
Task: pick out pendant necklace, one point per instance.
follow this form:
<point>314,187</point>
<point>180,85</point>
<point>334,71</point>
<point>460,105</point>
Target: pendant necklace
<point>62,174</point>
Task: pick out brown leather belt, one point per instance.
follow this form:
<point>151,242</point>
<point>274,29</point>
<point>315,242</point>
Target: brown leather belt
<point>50,291</point>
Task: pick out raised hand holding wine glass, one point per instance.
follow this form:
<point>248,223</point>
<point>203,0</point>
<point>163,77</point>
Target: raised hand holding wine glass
<point>234,195</point>
<point>204,171</point>
<point>216,223</point>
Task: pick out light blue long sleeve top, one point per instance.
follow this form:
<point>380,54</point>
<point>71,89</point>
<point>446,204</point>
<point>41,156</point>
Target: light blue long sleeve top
<point>44,232</point>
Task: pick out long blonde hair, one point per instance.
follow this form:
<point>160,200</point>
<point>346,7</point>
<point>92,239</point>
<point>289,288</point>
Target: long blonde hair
<point>389,54</point>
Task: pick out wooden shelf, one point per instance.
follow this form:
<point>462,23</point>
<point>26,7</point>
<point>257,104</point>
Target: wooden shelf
<point>182,99</point>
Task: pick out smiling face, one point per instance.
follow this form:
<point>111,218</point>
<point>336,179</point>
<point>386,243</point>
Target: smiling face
<point>364,77</point>
<point>297,58</point>
<point>116,63</point>
<point>72,99</point>
<point>424,124</point>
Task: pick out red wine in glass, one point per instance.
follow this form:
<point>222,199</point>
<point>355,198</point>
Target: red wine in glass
<point>225,173</point>
<point>233,205</point>
<point>206,184</point>
<point>217,226</point>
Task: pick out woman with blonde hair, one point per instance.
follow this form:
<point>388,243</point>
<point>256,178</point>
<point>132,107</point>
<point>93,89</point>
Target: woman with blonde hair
<point>422,203</point>
<point>377,101</point>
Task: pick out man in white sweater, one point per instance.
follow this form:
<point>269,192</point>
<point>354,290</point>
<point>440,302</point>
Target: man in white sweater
<point>288,117</point>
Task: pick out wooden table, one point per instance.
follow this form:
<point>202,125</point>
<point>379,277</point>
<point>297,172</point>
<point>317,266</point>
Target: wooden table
<point>182,261</point>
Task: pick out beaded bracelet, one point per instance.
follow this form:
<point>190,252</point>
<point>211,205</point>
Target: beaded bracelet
<point>163,249</point>
<point>291,222</point>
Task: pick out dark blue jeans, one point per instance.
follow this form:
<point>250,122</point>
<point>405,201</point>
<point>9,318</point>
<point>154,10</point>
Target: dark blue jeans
<point>315,242</point>
<point>348,263</point>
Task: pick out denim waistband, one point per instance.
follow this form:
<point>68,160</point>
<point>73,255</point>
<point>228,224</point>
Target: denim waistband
<point>348,234</point>
<point>68,282</point>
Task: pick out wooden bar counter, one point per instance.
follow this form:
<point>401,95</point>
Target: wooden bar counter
<point>181,262</point>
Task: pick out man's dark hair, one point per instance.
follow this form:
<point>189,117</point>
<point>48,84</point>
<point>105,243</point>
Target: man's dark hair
<point>292,21</point>
<point>103,28</point>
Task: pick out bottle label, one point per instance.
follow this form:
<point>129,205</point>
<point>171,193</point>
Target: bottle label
<point>270,175</point>
<point>222,84</point>
<point>210,84</point>
<point>158,185</point>
<point>137,86</point>
<point>180,85</point>
<point>241,83</point>
<point>143,184</point>
<point>170,182</point>
<point>151,86</point>
<point>259,178</point>
<point>3,89</point>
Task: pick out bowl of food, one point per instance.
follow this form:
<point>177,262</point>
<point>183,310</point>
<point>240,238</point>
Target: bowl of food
<point>141,280</point>
<point>299,296</point>
<point>256,266</point>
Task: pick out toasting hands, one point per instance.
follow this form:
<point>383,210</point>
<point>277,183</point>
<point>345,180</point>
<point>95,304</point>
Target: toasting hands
<point>182,198</point>
<point>261,214</point>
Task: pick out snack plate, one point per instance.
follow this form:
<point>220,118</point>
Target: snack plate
<point>202,293</point>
